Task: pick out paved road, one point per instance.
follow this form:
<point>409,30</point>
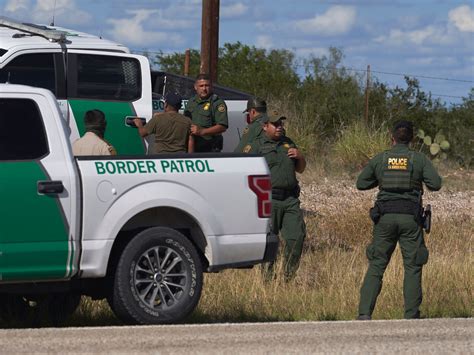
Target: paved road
<point>427,336</point>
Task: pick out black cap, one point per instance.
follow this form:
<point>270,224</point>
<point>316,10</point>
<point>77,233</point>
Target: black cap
<point>257,103</point>
<point>403,124</point>
<point>173,99</point>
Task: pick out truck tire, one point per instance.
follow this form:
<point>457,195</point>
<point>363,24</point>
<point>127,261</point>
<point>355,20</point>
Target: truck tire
<point>158,278</point>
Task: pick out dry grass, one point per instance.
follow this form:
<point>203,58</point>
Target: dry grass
<point>333,265</point>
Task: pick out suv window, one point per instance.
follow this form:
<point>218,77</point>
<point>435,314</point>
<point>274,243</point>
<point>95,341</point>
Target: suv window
<point>31,69</point>
<point>31,143</point>
<point>107,78</point>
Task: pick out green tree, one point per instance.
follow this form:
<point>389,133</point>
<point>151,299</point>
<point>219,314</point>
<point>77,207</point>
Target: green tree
<point>174,63</point>
<point>247,68</point>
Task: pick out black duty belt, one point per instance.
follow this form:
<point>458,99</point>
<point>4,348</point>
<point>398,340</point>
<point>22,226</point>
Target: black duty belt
<point>398,206</point>
<point>283,194</point>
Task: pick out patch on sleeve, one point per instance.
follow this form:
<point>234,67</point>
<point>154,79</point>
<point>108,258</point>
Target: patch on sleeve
<point>247,148</point>
<point>221,108</point>
<point>112,150</point>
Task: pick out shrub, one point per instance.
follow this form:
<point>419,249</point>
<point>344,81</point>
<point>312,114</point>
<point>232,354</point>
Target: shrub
<point>358,143</point>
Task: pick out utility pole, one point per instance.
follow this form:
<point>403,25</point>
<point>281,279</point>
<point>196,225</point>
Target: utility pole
<point>187,59</point>
<point>210,38</point>
<point>367,89</point>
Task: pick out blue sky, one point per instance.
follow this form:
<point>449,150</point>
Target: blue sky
<point>424,38</point>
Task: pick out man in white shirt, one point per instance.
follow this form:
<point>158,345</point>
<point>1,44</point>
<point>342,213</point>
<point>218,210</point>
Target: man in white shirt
<point>93,142</point>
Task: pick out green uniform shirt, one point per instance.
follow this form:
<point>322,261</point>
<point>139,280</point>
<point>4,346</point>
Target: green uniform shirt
<point>207,112</point>
<point>171,131</point>
<point>423,171</point>
<point>282,168</point>
<point>252,132</point>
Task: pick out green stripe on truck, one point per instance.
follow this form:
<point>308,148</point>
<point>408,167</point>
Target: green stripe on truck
<point>125,140</point>
<point>34,241</point>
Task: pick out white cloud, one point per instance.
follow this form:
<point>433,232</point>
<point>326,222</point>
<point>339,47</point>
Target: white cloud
<point>264,41</point>
<point>463,18</point>
<point>65,12</point>
<point>426,35</point>
<point>234,10</point>
<point>130,30</point>
<point>336,20</point>
<point>421,61</point>
<point>15,6</point>
<point>311,52</point>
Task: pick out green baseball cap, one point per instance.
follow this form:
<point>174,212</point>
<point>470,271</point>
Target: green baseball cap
<point>275,115</point>
<point>257,103</point>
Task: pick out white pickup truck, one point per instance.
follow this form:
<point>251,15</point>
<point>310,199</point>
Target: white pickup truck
<point>88,72</point>
<point>137,230</point>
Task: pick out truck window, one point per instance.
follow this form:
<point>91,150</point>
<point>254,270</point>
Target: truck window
<point>31,69</point>
<point>106,78</point>
<point>22,134</point>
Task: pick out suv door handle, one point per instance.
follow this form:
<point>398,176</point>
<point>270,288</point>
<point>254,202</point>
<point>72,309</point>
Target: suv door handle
<point>50,187</point>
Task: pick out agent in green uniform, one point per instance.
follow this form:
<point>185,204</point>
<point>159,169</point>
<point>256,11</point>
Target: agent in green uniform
<point>399,174</point>
<point>284,160</point>
<point>256,115</point>
<point>171,129</point>
<point>209,115</point>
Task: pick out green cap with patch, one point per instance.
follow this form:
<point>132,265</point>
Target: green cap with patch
<point>275,115</point>
<point>257,103</point>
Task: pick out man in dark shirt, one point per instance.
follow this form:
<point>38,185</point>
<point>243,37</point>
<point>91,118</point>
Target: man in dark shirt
<point>171,129</point>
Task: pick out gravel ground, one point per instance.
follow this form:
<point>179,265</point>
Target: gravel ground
<point>326,196</point>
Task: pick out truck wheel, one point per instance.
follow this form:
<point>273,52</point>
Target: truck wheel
<point>158,278</point>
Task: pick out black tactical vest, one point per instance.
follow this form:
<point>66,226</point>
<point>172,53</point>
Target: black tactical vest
<point>397,173</point>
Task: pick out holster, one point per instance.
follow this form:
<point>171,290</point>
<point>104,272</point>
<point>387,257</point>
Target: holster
<point>217,143</point>
<point>426,219</point>
<point>375,213</point>
<point>214,144</point>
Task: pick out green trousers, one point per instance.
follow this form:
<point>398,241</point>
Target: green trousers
<point>390,229</point>
<point>287,220</point>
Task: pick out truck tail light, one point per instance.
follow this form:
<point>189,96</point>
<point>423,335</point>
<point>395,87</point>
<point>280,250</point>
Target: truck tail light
<point>261,185</point>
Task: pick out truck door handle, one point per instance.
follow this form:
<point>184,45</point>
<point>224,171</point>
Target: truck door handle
<point>50,187</point>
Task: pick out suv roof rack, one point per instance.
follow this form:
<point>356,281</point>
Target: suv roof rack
<point>43,31</point>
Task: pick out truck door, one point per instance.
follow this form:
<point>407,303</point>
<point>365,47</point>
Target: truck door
<point>116,83</point>
<point>37,238</point>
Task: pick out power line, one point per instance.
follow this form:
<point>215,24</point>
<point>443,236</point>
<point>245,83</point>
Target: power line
<point>360,70</point>
<point>398,74</point>
<point>441,95</point>
<point>423,76</point>
<point>347,68</point>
